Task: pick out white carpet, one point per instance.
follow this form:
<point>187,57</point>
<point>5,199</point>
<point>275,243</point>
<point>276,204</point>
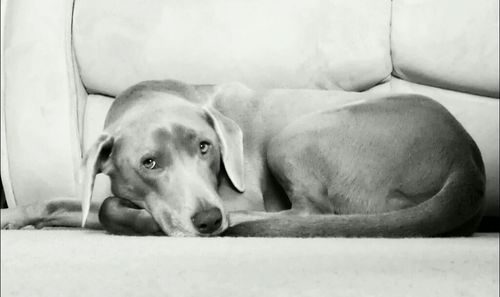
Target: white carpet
<point>91,263</point>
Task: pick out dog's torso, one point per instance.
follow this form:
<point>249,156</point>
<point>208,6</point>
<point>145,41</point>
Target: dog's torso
<point>419,170</point>
<point>261,116</point>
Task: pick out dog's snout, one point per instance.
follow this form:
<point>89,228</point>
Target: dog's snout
<point>207,221</point>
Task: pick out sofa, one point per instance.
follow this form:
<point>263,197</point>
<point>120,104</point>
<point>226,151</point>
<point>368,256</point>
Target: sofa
<point>63,61</point>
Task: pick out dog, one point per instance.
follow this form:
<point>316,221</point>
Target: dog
<point>203,160</point>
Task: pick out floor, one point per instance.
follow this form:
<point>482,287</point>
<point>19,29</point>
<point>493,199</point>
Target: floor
<point>62,262</point>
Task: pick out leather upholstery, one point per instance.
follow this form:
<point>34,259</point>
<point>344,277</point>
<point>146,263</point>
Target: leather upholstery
<point>269,44</point>
<point>40,94</point>
<point>452,44</point>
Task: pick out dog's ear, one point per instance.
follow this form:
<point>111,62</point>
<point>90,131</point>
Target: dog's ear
<point>231,143</point>
<point>90,167</point>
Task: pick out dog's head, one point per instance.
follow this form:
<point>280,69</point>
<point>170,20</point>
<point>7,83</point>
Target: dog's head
<point>167,154</point>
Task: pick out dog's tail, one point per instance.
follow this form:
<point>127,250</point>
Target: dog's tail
<point>455,210</point>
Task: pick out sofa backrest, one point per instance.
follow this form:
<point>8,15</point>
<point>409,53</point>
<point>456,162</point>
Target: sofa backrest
<point>328,44</point>
<point>451,44</point>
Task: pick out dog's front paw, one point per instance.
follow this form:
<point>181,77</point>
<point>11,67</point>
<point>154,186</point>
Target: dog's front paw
<point>13,219</point>
<point>10,226</point>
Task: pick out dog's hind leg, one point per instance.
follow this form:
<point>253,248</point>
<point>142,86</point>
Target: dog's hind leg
<point>115,215</point>
<point>362,172</point>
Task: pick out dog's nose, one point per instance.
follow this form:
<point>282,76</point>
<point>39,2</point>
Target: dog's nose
<point>207,221</point>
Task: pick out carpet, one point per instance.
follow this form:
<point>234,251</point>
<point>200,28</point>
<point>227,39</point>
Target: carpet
<point>62,262</point>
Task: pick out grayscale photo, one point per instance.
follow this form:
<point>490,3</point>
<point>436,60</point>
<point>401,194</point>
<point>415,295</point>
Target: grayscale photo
<point>250,148</point>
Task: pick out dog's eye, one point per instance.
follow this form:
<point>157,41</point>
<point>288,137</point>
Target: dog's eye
<point>204,147</point>
<point>149,163</point>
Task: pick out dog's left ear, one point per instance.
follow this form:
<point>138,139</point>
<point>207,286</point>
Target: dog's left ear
<point>90,167</point>
<point>231,142</point>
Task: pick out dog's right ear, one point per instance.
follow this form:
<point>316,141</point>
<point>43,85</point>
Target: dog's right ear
<point>91,166</point>
<point>231,142</point>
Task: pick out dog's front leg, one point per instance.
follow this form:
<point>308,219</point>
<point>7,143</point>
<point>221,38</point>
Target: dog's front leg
<point>121,216</point>
<point>57,212</point>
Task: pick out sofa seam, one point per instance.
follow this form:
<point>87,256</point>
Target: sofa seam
<point>74,140</point>
<point>391,73</point>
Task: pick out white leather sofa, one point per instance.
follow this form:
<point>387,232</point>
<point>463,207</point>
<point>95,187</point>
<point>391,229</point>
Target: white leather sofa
<point>63,61</point>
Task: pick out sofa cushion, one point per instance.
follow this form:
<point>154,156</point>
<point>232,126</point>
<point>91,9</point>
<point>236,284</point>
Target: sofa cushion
<point>270,44</point>
<point>479,116</point>
<point>451,44</point>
